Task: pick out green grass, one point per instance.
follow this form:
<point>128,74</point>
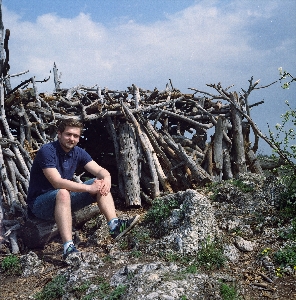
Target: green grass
<point>161,210</point>
<point>53,290</point>
<point>104,291</point>
<point>11,265</point>
<point>286,256</point>
<point>228,292</point>
<point>211,255</point>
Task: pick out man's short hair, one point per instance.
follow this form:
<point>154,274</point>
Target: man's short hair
<point>62,124</point>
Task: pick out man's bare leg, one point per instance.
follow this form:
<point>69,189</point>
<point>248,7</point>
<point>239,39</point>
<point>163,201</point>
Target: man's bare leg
<point>63,216</point>
<point>106,206</point>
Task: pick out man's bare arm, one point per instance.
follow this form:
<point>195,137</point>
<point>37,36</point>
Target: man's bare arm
<point>102,174</point>
<point>54,177</point>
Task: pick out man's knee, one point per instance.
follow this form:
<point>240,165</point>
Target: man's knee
<point>63,195</point>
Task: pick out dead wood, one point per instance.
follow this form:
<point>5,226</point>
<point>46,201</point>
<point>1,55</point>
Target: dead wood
<point>156,141</point>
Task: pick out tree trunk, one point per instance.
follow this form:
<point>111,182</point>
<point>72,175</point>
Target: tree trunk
<point>239,160</point>
<point>254,164</point>
<point>129,164</point>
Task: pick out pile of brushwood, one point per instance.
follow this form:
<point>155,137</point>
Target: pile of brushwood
<point>152,142</point>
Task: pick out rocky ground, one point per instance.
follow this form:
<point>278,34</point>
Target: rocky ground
<point>158,258</point>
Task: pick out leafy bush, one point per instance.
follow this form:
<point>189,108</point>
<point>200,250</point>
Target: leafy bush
<point>104,291</point>
<point>211,255</point>
<point>161,210</point>
<point>53,290</point>
<point>244,187</point>
<point>11,265</point>
<point>228,292</point>
<point>286,256</point>
<point>291,233</point>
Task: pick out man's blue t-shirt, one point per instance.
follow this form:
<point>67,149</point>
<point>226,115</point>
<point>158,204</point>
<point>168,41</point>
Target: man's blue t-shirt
<point>53,156</point>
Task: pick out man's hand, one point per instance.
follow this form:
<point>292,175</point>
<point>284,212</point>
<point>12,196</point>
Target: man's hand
<point>101,186</point>
<point>105,186</point>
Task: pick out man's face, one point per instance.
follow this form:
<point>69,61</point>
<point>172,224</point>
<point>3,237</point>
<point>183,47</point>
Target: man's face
<point>69,138</point>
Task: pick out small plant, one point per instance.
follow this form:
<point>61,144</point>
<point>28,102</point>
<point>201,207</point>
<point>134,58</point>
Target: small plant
<point>228,292</point>
<point>211,256</point>
<point>141,235</point>
<point>192,269</point>
<point>161,210</point>
<point>104,291</point>
<point>244,187</point>
<point>53,290</point>
<point>286,256</point>
<point>265,252</point>
<point>107,259</point>
<point>290,234</point>
<point>136,253</point>
<point>11,265</point>
<point>279,272</point>
<point>123,245</point>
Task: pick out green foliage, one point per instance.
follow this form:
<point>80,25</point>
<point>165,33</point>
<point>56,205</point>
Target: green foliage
<point>11,265</point>
<point>286,78</point>
<point>104,291</point>
<point>286,256</point>
<point>141,234</point>
<point>284,134</point>
<point>215,187</point>
<point>211,255</point>
<point>244,187</point>
<point>53,290</point>
<point>228,292</point>
<point>291,233</point>
<point>136,253</point>
<point>161,210</point>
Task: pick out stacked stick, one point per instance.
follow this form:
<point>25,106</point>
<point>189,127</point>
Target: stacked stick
<point>152,142</point>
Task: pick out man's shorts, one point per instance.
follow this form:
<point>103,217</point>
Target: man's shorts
<point>44,204</point>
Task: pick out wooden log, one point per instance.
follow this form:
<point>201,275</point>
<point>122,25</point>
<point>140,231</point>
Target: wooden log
<point>227,172</point>
<point>217,150</point>
<point>161,176</point>
<point>149,156</point>
<point>36,233</point>
<point>129,164</point>
<point>198,173</point>
<point>239,160</point>
<point>112,132</point>
<point>2,238</point>
<point>254,164</point>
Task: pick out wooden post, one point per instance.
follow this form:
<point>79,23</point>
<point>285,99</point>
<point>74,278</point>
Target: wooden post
<point>239,160</point>
<point>129,160</point>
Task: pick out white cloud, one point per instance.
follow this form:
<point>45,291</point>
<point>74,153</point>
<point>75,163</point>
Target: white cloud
<point>201,44</point>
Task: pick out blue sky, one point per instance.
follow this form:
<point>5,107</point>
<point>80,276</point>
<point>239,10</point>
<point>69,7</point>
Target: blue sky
<point>117,43</point>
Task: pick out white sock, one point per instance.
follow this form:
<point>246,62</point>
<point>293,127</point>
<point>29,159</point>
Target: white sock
<point>113,223</point>
<point>66,245</point>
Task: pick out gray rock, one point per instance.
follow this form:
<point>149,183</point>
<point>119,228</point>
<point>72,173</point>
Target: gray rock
<point>31,264</point>
<point>232,253</point>
<point>244,245</point>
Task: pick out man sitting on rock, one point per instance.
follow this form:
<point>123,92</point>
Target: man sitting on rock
<point>52,194</point>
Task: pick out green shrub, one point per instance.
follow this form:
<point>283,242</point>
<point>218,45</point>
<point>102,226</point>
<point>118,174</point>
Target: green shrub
<point>228,292</point>
<point>161,210</point>
<point>53,290</point>
<point>104,291</point>
<point>211,255</point>
<point>291,233</point>
<point>11,265</point>
<point>286,256</point>
<point>241,185</point>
